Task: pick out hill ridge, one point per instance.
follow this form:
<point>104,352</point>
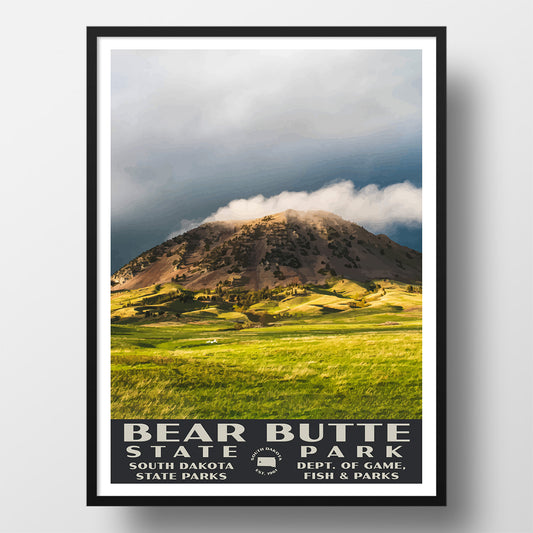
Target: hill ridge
<point>287,247</point>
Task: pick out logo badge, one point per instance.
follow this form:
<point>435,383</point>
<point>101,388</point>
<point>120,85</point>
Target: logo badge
<point>266,461</point>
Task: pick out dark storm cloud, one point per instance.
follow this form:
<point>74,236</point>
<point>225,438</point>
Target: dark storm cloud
<point>194,130</point>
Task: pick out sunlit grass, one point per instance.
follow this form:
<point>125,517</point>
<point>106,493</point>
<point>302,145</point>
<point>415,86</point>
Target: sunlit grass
<point>349,363</point>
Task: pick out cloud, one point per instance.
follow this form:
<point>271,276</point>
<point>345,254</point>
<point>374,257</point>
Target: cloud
<point>221,95</point>
<point>179,115</point>
<point>191,127</point>
<point>185,225</point>
<point>377,209</point>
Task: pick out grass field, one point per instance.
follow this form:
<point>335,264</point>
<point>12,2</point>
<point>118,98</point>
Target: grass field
<point>338,351</point>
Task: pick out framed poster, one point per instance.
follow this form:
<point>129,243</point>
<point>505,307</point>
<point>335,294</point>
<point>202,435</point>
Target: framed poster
<point>266,266</point>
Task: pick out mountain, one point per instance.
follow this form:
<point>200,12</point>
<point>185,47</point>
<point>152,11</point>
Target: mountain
<point>289,247</point>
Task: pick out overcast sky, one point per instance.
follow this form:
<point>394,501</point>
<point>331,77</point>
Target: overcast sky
<point>194,131</point>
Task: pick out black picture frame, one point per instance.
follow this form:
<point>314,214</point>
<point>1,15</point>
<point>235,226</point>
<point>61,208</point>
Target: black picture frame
<point>93,34</point>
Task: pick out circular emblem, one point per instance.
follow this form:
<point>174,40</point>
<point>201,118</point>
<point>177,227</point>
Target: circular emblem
<point>266,461</point>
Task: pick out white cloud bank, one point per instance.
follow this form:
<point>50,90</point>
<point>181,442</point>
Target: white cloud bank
<point>374,208</point>
<point>371,207</point>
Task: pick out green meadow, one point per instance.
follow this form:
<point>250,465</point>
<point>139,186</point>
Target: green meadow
<point>342,350</point>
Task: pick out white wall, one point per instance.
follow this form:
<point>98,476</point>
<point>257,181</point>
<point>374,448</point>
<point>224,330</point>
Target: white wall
<point>42,99</point>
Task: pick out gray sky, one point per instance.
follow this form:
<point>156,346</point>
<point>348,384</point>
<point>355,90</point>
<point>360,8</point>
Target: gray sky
<point>193,131</point>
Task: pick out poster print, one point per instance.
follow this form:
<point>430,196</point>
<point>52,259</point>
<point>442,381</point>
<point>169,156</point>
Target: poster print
<point>265,266</point>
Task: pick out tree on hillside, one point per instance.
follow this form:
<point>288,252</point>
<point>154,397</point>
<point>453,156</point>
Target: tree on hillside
<point>265,319</point>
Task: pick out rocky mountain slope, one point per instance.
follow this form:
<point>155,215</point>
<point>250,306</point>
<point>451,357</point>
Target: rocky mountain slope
<point>289,247</point>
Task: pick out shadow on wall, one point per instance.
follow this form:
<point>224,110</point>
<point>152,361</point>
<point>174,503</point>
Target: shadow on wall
<point>465,467</point>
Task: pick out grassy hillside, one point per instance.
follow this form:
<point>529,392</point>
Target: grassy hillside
<point>275,250</point>
<point>339,350</point>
